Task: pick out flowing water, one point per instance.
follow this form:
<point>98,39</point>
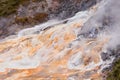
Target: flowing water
<point>57,50</point>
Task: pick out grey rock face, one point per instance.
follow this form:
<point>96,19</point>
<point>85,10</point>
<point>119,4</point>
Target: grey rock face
<point>37,12</point>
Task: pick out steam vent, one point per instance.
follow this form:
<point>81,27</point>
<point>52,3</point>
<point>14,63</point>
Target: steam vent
<point>59,40</point>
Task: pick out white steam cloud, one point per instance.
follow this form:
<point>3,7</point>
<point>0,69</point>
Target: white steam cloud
<point>107,18</point>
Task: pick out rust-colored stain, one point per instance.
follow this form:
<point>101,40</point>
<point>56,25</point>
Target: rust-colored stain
<point>46,56</point>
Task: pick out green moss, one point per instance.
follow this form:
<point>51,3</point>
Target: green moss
<point>115,73</point>
<point>38,17</point>
<point>9,6</point>
<point>37,0</point>
<point>22,20</point>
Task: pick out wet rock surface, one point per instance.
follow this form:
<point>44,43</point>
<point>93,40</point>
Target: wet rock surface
<point>56,53</point>
<point>36,12</point>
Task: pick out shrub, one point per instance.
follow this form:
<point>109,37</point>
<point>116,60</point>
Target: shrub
<point>9,6</point>
<point>115,73</point>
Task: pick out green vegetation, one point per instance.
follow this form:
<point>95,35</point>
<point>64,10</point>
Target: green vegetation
<point>38,17</point>
<point>22,20</point>
<point>115,73</point>
<point>37,0</point>
<point>10,6</point>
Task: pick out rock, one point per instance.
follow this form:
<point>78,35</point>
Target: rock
<point>55,53</point>
<point>33,12</point>
<point>105,56</point>
<point>68,8</point>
